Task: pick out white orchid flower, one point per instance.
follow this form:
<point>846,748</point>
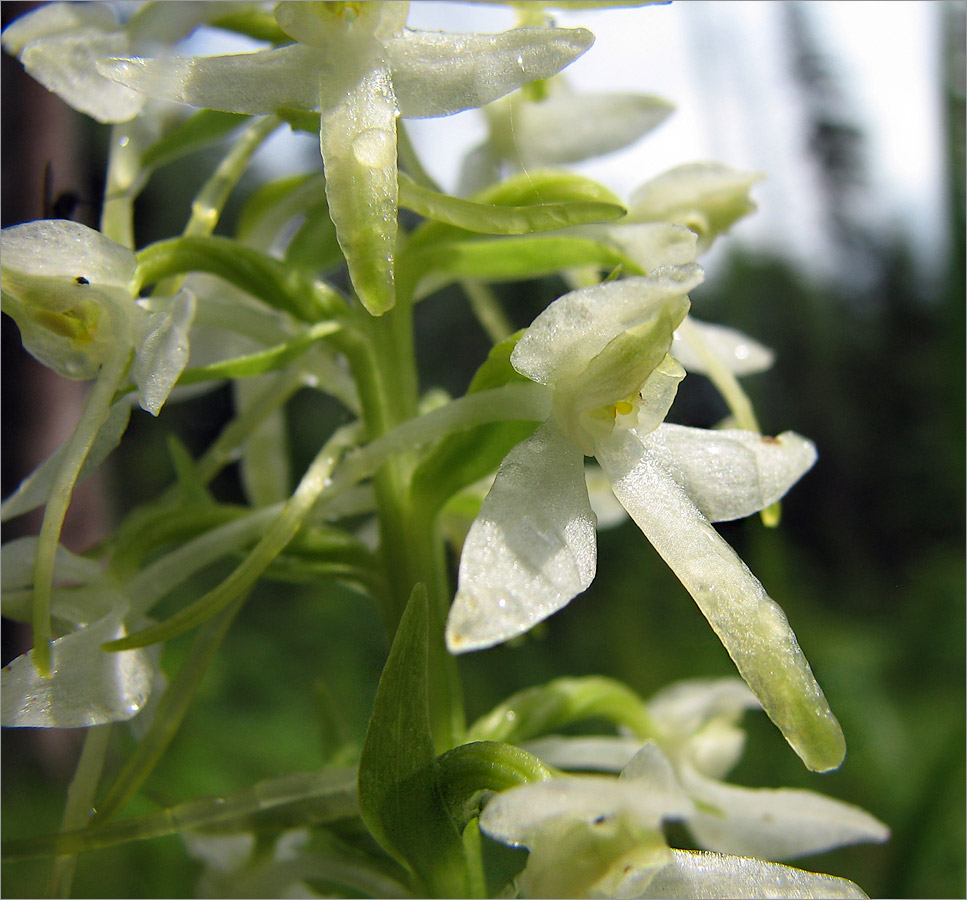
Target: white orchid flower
<point>706,197</point>
<point>598,836</point>
<point>362,68</point>
<point>603,352</point>
<point>73,294</point>
<point>697,732</point>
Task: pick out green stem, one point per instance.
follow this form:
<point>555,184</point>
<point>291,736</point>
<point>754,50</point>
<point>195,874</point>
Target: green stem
<point>96,410</point>
<point>411,547</point>
<point>125,178</point>
<point>206,208</point>
<point>80,800</point>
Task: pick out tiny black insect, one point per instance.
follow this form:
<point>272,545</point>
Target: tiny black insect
<point>81,280</point>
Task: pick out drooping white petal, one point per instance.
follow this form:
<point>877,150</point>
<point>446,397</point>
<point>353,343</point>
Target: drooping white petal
<point>163,353</point>
<point>86,687</point>
<point>567,335</point>
<point>738,352</point>
<point>516,816</point>
<point>438,74</point>
<point>749,623</point>
<point>252,83</point>
<point>774,823</point>
<point>597,754</point>
<point>569,127</point>
<point>530,550</point>
<point>34,490</point>
<point>730,473</point>
<point>694,875</point>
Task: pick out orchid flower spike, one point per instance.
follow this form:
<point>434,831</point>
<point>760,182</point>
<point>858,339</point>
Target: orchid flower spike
<point>603,351</point>
<point>362,68</point>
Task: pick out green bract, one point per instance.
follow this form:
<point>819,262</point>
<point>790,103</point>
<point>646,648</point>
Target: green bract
<point>361,67</point>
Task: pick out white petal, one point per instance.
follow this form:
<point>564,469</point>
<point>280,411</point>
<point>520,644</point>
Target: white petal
<point>56,18</point>
<point>706,197</point>
<point>35,488</point>
<point>685,707</point>
<point>650,245</point>
<point>699,717</point>
<point>598,754</point>
<point>438,74</point>
<point>693,875</point>
<point>567,127</point>
<point>67,65</point>
<point>56,248</point>
<point>731,473</point>
<point>86,687</point>
<point>774,824</point>
<point>253,83</point>
<point>738,352</point>
<point>749,623</point>
<point>567,335</point>
<point>163,353</point>
<point>530,550</point>
<point>516,816</point>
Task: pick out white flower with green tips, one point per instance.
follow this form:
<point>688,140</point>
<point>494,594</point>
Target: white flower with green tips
<point>603,353</point>
<point>599,836</point>
<point>362,68</point>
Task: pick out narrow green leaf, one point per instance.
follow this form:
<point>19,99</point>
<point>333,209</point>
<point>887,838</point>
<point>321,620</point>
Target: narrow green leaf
<point>489,218</point>
<point>262,361</point>
<point>465,457</point>
<point>399,798</point>
<point>197,131</point>
<point>430,268</point>
<point>552,190</point>
<point>261,276</point>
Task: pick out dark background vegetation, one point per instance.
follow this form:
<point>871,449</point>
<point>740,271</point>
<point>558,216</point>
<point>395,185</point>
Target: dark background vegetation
<point>868,562</point>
